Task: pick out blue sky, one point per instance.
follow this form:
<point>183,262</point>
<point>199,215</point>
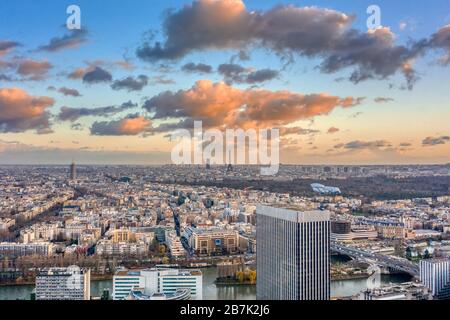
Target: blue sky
<point>117,28</point>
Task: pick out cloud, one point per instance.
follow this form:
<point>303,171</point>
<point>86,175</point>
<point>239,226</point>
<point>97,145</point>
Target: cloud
<point>161,80</point>
<point>349,102</point>
<point>124,64</point>
<point>33,69</point>
<point>69,92</point>
<point>231,71</point>
<point>97,75</point>
<point>42,131</point>
<point>197,68</point>
<point>130,83</point>
<point>71,40</point>
<point>6,46</point>
<point>237,73</point>
<point>96,70</point>
<point>76,126</point>
<point>355,115</point>
<point>402,25</point>
<point>441,40</point>
<point>77,74</point>
<point>261,76</point>
<point>288,31</point>
<point>132,125</point>
<point>360,145</point>
<point>242,55</point>
<point>405,144</point>
<point>333,130</point>
<point>4,77</point>
<point>285,131</point>
<point>73,114</point>
<point>220,105</point>
<point>408,24</point>
<point>20,112</point>
<point>434,141</point>
<point>383,100</point>
<point>7,65</point>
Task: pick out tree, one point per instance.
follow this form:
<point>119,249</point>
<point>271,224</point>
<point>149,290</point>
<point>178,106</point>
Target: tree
<point>240,276</point>
<point>165,260</point>
<point>252,276</point>
<point>408,253</point>
<point>162,249</point>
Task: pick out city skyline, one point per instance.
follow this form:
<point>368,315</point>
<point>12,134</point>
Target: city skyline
<point>113,91</point>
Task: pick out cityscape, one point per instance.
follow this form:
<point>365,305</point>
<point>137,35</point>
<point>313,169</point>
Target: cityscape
<point>137,233</point>
<point>224,150</point>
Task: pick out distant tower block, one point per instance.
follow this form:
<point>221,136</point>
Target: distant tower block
<point>230,161</point>
<point>73,171</point>
<point>208,164</point>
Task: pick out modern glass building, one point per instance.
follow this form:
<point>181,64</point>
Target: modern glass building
<point>293,258</point>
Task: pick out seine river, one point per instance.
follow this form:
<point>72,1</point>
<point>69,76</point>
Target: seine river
<point>211,291</point>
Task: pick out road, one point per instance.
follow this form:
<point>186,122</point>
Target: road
<point>395,263</point>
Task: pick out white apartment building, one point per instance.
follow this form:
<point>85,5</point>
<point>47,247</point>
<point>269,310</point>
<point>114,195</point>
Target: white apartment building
<point>174,244</point>
<point>157,280</point>
<point>70,283</point>
<point>23,249</point>
<point>110,248</point>
<point>42,232</point>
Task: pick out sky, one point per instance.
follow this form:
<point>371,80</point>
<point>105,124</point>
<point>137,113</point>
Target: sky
<point>113,91</point>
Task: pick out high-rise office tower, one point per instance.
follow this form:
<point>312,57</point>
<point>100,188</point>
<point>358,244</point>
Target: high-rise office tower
<point>435,275</point>
<point>293,258</point>
<point>73,171</point>
<point>70,283</point>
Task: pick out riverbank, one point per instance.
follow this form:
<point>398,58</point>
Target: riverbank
<point>230,282</point>
<point>349,277</point>
<point>235,282</point>
<point>211,291</point>
<point>95,278</point>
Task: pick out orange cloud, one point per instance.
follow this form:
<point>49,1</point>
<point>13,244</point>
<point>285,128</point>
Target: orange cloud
<point>333,130</point>
<point>129,126</point>
<point>221,105</point>
<point>35,70</point>
<point>20,112</point>
<point>77,73</point>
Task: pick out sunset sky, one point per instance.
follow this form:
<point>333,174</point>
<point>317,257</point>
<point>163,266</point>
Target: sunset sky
<point>112,92</point>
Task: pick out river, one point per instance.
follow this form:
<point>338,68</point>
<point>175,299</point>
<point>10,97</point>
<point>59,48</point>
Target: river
<point>341,288</point>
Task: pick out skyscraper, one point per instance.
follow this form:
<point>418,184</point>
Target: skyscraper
<point>293,258</point>
<point>73,171</point>
<point>435,275</point>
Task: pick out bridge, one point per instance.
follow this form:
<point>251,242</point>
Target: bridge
<point>382,260</point>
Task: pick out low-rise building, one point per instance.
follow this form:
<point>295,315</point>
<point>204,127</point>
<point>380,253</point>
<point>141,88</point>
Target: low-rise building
<point>110,248</point>
<point>13,249</point>
<point>6,223</point>
<point>212,241</point>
